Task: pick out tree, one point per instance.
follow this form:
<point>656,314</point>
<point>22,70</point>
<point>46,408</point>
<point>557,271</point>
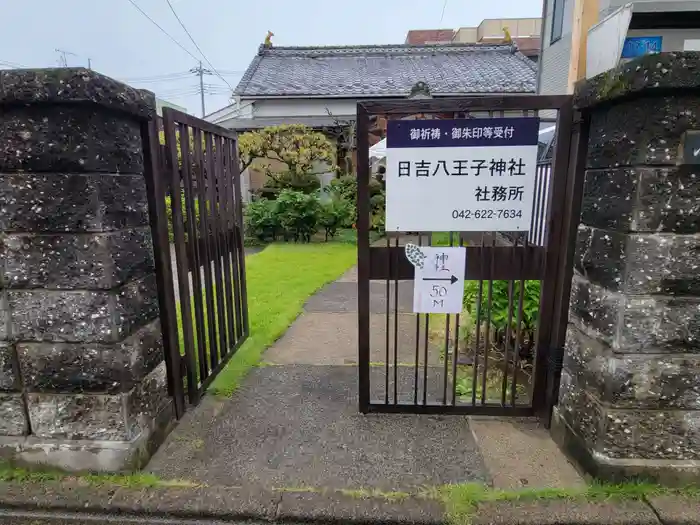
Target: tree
<point>345,133</point>
<point>294,145</point>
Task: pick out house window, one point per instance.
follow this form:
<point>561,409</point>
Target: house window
<point>557,20</point>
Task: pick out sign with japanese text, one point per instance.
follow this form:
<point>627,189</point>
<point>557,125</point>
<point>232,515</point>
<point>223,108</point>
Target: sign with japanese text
<point>637,46</point>
<point>461,175</point>
<point>438,285</point>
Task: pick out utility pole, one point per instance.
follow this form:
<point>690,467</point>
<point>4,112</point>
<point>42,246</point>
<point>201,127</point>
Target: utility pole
<point>63,62</point>
<point>201,72</point>
<point>62,57</point>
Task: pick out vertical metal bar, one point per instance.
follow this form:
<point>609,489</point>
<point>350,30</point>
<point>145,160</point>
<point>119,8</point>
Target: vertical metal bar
<point>556,200</point>
<point>213,152</point>
<point>222,244</point>
<point>518,327</point>
<point>363,257</point>
<point>417,365</point>
<point>204,229</point>
<point>489,321</point>
<point>224,262</point>
<point>574,197</point>
<point>156,193</point>
<point>229,241</point>
<point>396,323</point>
<point>181,255</point>
<point>240,284</point>
<point>475,364</point>
<point>534,219</point>
<point>194,251</point>
<point>509,327</point>
<point>387,334</point>
<point>426,337</point>
<point>455,356</point>
<point>446,359</point>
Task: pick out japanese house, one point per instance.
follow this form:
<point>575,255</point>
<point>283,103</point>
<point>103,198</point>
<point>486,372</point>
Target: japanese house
<point>320,86</point>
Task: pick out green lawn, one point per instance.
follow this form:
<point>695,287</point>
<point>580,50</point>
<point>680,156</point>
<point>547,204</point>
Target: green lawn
<point>280,279</point>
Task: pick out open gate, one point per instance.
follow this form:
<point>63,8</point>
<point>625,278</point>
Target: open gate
<point>502,357</point>
<point>194,197</point>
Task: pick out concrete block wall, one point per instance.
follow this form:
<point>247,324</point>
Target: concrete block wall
<point>82,375</point>
<point>629,403</point>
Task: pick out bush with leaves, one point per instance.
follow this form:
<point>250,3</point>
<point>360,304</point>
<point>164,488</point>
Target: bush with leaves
<point>335,214</point>
<point>297,146</point>
<point>345,188</point>
<point>304,182</point>
<point>502,310</point>
<point>298,214</point>
<point>261,220</point>
<point>169,213</point>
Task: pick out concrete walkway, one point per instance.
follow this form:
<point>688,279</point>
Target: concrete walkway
<point>295,422</point>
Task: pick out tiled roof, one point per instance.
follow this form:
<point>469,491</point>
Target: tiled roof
<point>354,71</point>
<point>424,36</point>
<point>527,45</point>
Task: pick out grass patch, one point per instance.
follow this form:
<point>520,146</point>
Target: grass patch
<point>14,474</point>
<point>443,239</point>
<point>280,279</point>
<point>462,500</point>
<point>348,236</point>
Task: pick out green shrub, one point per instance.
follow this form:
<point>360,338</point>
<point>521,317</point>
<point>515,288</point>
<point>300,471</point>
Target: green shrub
<point>261,220</point>
<point>307,183</point>
<point>500,301</point>
<point>298,214</point>
<point>345,188</point>
<point>335,214</point>
<point>169,213</point>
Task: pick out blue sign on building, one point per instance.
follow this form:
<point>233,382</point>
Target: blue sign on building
<point>636,46</point>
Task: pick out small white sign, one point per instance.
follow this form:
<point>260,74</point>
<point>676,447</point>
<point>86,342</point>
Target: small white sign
<point>461,175</point>
<point>438,286</point>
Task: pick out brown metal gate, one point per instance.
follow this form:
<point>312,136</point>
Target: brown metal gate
<point>504,357</point>
<point>194,195</point>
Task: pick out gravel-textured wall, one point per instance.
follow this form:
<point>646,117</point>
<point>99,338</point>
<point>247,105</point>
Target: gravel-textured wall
<point>629,401</point>
<point>81,354</point>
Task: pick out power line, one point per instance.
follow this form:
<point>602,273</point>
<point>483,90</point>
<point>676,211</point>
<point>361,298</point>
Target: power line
<point>163,30</point>
<point>444,5</point>
<point>157,78</point>
<point>12,64</point>
<point>195,45</point>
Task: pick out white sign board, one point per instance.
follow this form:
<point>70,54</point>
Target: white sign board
<point>461,175</point>
<point>438,286</point>
<point>606,40</point>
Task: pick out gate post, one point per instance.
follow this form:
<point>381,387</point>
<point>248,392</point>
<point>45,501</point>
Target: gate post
<point>629,402</point>
<point>82,377</point>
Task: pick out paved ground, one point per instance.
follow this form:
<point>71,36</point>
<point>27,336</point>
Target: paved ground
<point>295,422</point>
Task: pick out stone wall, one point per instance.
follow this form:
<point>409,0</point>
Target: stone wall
<point>82,376</point>
<point>629,402</point>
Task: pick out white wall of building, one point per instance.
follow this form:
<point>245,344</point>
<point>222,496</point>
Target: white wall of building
<point>314,107</point>
<point>554,61</point>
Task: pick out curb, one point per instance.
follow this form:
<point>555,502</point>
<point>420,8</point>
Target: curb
<point>68,502</point>
<point>74,503</point>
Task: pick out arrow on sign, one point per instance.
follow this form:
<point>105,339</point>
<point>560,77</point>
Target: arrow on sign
<point>452,279</point>
<point>696,152</point>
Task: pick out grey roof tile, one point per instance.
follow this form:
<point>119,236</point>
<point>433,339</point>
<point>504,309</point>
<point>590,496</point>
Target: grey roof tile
<point>387,70</point>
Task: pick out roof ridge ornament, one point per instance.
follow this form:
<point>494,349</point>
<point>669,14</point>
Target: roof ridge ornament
<point>420,90</point>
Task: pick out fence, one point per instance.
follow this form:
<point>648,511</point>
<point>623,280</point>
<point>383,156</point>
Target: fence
<point>495,358</point>
<point>196,215</point>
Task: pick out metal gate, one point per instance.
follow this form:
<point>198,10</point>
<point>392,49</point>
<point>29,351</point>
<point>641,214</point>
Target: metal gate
<point>194,197</point>
<point>504,356</point>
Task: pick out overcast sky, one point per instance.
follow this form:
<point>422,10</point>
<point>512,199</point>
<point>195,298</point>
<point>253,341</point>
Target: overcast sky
<point>124,44</point>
